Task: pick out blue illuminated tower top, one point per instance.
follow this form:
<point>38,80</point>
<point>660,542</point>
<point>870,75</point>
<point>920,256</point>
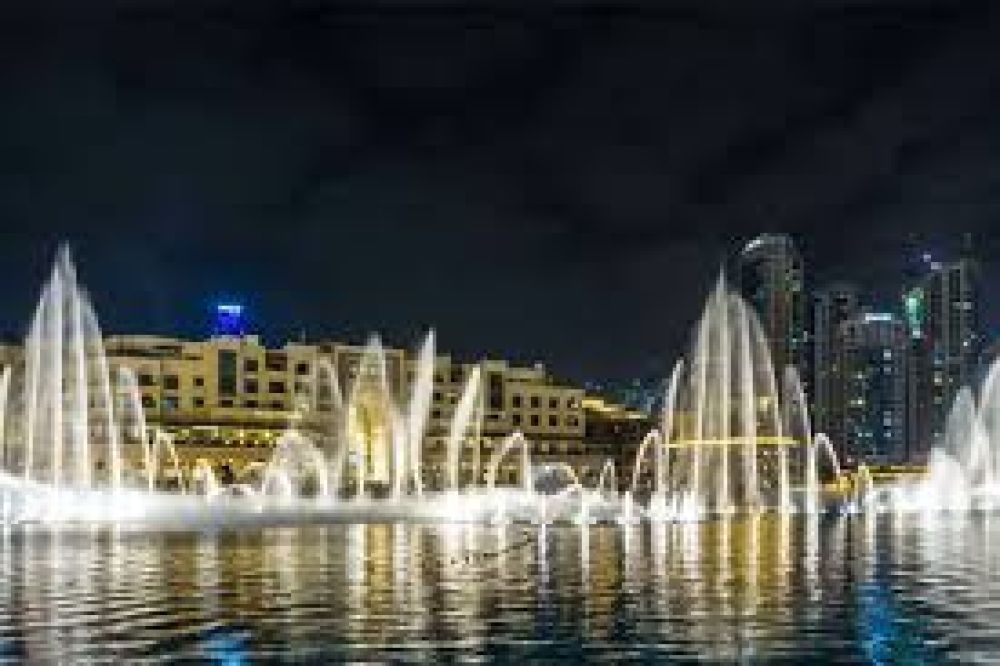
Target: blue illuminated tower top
<point>230,320</point>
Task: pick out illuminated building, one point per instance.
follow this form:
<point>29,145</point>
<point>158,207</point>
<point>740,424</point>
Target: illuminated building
<point>225,399</point>
<point>832,306</point>
<point>549,413</point>
<point>873,350</point>
<point>228,398</point>
<point>942,315</point>
<point>614,432</point>
<point>919,376</point>
<point>644,394</point>
<point>770,274</point>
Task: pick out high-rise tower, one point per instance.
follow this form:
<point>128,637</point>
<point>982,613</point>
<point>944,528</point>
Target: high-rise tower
<point>872,355</point>
<point>832,306</point>
<point>942,315</point>
<point>770,274</point>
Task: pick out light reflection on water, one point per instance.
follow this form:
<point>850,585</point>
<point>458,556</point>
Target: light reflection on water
<point>891,590</point>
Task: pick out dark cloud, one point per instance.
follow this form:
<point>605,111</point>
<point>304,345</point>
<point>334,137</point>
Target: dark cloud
<point>558,183</point>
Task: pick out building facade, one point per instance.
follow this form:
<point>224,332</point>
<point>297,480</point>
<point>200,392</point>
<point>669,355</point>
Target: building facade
<point>942,316</point>
<point>873,351</point>
<point>615,432</point>
<point>770,273</point>
<point>832,306</point>
<point>227,400</point>
<point>224,400</point>
<point>919,377</point>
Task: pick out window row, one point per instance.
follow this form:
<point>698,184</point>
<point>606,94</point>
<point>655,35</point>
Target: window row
<point>274,362</point>
<point>173,402</point>
<point>535,420</point>
<point>253,386</point>
<point>544,447</point>
<point>535,402</point>
<point>173,382</point>
<point>170,382</point>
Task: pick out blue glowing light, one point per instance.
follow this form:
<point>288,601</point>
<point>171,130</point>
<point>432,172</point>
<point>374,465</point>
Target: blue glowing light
<point>229,319</point>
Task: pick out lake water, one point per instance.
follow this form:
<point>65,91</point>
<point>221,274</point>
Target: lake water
<point>837,590</point>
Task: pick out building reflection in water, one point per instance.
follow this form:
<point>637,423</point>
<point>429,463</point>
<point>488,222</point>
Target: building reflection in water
<point>585,559</point>
<point>750,588</point>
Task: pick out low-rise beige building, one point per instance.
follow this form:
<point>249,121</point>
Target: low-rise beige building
<point>226,400</point>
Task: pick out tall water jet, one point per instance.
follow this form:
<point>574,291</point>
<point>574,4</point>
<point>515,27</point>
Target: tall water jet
<point>989,418</point>
<point>964,469</point>
<point>163,447</point>
<point>326,417</point>
<point>419,408</point>
<point>966,439</point>
<point>799,430</point>
<point>61,424</point>
<point>328,388</point>
<point>726,443</point>
<point>667,431</point>
<point>659,501</point>
<point>400,455</point>
<point>748,406</point>
<point>328,423</point>
<point>465,413</point>
<point>723,385</point>
<point>369,445</point>
<point>133,421</point>
<point>4,392</point>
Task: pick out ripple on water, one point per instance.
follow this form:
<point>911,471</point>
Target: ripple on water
<point>747,591</point>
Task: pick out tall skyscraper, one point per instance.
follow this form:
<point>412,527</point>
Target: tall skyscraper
<point>918,375</point>
<point>770,273</point>
<point>872,352</point>
<point>832,306</point>
<point>942,314</point>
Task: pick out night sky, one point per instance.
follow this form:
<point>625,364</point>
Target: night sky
<point>554,185</point>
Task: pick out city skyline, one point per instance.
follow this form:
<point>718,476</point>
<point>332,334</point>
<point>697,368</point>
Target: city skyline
<point>915,258</point>
<point>879,383</point>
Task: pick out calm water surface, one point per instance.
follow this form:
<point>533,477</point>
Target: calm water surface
<point>751,590</point>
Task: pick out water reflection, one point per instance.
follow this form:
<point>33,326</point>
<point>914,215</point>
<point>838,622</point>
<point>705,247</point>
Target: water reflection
<point>755,587</point>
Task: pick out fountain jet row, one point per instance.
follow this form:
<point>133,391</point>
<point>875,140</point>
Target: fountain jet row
<point>732,438</point>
